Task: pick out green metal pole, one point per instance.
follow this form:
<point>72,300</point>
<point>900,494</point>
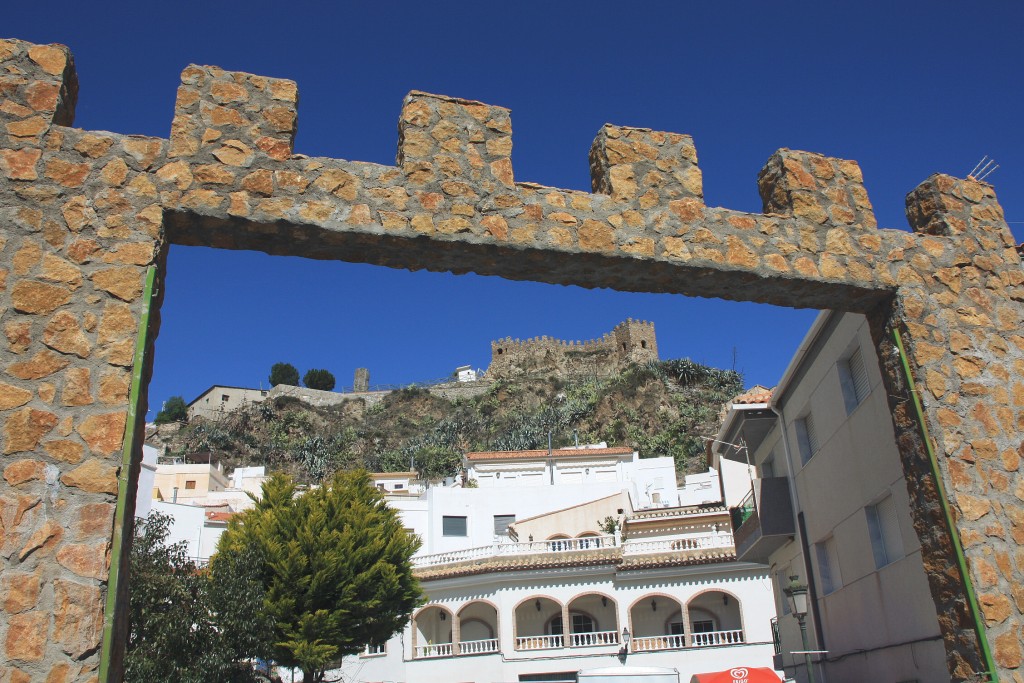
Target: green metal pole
<point>807,652</point>
<point>961,560</point>
<point>117,545</point>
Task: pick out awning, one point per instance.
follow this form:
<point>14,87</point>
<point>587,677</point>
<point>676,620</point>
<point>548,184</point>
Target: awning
<point>739,674</point>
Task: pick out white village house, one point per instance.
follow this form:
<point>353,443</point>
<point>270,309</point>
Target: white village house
<point>524,584</point>
<point>830,506</point>
<point>522,581</point>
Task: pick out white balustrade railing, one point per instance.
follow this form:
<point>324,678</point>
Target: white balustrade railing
<point>709,541</point>
<point>666,642</point>
<point>716,638</point>
<point>595,638</point>
<point>718,539</point>
<point>511,548</point>
<point>539,642</point>
<point>434,650</point>
<point>476,647</point>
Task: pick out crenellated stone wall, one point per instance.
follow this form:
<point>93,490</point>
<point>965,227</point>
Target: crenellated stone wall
<point>631,341</point>
<point>84,216</point>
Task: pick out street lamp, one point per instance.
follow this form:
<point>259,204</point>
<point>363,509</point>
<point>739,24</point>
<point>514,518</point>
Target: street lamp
<point>796,593</point>
<point>624,650</point>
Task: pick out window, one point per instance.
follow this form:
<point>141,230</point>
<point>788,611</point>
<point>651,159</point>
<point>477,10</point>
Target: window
<point>884,530</point>
<point>399,487</point>
<point>806,438</point>
<point>501,523</point>
<point>190,484</point>
<point>853,378</point>
<point>224,398</point>
<point>372,649</point>
<point>768,466</point>
<point>781,581</point>
<point>453,526</point>
<point>703,626</point>
<point>828,565</point>
<point>675,628</point>
<point>581,623</point>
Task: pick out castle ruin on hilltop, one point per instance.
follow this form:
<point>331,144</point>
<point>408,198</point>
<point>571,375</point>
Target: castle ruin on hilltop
<point>632,341</point>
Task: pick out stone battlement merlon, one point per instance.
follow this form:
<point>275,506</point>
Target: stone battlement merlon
<point>86,215</point>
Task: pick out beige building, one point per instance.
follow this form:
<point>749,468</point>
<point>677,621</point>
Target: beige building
<point>829,505</point>
<point>219,400</point>
<point>188,484</point>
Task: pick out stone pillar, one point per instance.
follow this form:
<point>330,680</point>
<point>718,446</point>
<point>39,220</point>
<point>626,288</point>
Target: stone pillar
<point>566,626</point>
<point>79,229</point>
<point>361,382</point>
<point>827,191</point>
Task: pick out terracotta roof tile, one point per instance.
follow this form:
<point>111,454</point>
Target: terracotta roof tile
<point>578,558</point>
<point>756,394</point>
<point>543,453</point>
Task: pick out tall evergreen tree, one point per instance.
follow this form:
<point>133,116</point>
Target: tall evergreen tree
<point>337,573</point>
<point>284,373</point>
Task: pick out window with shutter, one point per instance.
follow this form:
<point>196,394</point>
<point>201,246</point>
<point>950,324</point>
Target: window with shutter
<point>883,527</point>
<point>828,565</point>
<point>501,523</point>
<point>453,526</point>
<point>807,438</point>
<point>853,379</point>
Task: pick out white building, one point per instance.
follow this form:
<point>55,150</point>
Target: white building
<point>198,498</point>
<point>525,582</point>
<point>830,507</point>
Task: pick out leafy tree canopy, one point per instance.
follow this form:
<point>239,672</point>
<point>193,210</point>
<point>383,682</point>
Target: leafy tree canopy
<point>190,625</point>
<point>284,373</point>
<point>174,410</point>
<point>318,379</point>
<point>337,572</point>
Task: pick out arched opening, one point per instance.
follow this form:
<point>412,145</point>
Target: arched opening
<point>714,619</point>
<point>592,621</point>
<point>533,618</point>
<point>657,624</point>
<point>478,629</point>
<point>432,631</point>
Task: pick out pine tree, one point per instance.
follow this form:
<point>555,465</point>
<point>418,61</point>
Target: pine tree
<point>337,573</point>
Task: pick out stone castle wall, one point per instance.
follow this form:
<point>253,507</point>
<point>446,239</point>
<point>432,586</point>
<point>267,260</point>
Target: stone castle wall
<point>85,219</point>
<point>632,341</point>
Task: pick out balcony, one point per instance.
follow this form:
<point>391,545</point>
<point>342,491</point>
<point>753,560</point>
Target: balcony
<point>763,522</point>
<point>478,647</point>
<point>721,540</point>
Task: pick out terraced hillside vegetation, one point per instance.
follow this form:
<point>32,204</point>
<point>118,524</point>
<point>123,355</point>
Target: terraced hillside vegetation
<point>663,408</point>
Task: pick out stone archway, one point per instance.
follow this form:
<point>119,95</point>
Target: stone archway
<point>87,218</point>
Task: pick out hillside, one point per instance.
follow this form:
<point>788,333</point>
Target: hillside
<point>661,408</point>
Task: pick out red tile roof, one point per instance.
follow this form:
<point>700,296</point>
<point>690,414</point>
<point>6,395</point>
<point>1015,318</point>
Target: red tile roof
<point>215,516</point>
<point>543,453</point>
<point>756,394</point>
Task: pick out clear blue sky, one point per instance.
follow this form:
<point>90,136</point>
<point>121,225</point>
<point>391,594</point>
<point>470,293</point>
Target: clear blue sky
<point>905,88</point>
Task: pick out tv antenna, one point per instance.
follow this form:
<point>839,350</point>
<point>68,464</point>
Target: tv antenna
<point>983,169</point>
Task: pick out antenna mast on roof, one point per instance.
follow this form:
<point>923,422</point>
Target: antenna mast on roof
<point>983,169</point>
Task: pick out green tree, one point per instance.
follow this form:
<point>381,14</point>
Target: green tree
<point>174,410</point>
<point>318,379</point>
<point>284,373</point>
<point>337,572</point>
<point>190,625</point>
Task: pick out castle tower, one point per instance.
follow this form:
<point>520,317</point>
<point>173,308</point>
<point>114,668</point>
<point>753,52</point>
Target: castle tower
<point>635,342</point>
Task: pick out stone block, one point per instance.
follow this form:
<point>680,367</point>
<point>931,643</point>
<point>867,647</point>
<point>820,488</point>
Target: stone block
<point>448,142</point>
<point>647,167</point>
<point>39,85</point>
<point>233,118</point>
<point>824,190</point>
